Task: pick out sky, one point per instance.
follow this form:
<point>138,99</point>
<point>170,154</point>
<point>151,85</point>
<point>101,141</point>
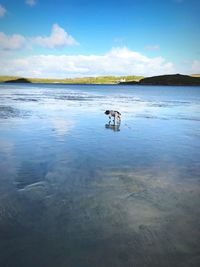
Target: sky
<point>81,38</point>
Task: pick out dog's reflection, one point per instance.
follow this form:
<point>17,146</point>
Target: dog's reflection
<point>114,127</point>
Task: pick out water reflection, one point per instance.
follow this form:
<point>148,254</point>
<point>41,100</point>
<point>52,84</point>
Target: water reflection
<point>73,194</point>
<point>114,127</point>
<point>61,126</point>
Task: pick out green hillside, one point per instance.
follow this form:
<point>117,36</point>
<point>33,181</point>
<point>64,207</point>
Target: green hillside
<point>85,80</point>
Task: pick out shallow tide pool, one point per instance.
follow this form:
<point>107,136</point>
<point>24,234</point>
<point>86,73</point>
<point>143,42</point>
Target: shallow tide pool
<point>78,192</point>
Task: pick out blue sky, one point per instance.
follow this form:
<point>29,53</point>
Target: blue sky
<point>88,38</point>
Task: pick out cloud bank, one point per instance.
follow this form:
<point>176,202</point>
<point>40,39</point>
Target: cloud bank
<point>118,61</point>
<point>11,42</point>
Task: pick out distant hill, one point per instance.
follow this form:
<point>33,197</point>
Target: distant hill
<point>195,75</point>
<point>173,79</point>
<point>18,80</point>
<point>82,80</point>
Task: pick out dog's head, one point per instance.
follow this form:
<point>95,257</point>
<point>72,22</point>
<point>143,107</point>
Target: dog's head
<point>107,112</point>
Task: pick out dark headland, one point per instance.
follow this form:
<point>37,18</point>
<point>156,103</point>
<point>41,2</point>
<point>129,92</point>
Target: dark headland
<point>19,80</point>
<point>173,79</point>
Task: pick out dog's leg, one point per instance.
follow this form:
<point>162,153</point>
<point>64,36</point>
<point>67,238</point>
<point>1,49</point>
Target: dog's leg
<point>115,118</point>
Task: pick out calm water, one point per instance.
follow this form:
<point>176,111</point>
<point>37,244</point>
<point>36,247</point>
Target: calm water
<point>76,192</point>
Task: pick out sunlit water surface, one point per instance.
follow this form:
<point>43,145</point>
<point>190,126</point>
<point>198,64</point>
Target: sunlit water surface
<point>76,192</point>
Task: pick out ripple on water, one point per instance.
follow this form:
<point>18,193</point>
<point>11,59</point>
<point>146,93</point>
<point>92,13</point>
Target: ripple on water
<point>10,112</point>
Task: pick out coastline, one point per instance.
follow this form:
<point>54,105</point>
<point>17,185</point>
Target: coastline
<point>161,80</point>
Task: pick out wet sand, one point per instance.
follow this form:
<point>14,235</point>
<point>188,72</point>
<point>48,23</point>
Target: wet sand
<point>76,193</point>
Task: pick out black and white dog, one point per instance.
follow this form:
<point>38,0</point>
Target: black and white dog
<point>115,114</point>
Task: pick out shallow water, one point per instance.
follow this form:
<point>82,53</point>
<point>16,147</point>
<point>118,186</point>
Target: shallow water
<point>77,192</point>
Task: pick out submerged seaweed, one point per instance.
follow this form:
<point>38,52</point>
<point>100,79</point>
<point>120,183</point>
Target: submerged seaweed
<point>10,112</point>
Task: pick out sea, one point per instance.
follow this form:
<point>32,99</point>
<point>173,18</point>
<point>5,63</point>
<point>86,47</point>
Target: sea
<point>77,190</point>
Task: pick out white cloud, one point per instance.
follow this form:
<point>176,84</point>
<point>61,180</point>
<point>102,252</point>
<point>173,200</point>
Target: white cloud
<point>11,42</point>
<point>152,47</point>
<point>196,67</point>
<point>118,61</point>
<point>2,11</point>
<point>58,38</point>
<point>31,2</point>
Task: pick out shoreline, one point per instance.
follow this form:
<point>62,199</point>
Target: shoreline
<point>161,80</point>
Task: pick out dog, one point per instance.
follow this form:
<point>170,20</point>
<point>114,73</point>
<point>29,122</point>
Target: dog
<point>115,114</point>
